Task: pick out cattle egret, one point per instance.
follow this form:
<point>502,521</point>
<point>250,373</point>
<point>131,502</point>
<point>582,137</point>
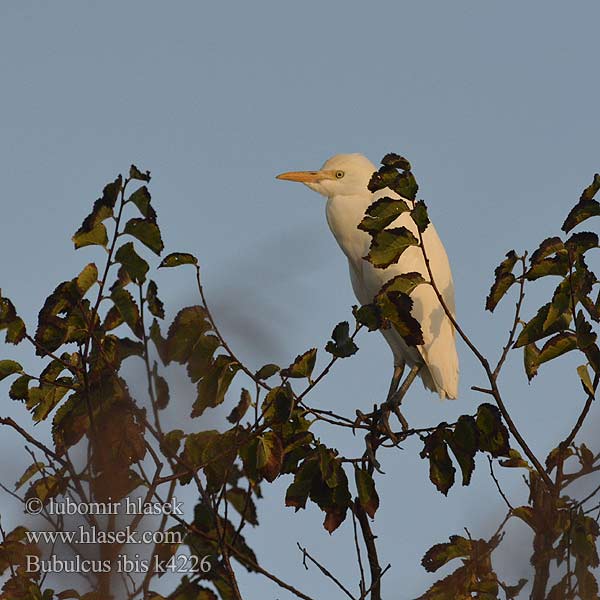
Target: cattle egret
<point>343,181</point>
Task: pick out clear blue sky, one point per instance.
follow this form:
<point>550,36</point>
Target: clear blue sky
<point>495,104</point>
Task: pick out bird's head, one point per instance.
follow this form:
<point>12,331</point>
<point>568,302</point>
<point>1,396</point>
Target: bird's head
<point>341,175</point>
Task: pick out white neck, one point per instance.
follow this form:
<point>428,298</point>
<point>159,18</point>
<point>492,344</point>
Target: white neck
<point>344,213</point>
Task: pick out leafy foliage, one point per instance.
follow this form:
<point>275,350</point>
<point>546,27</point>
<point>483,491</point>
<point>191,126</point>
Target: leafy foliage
<point>109,441</point>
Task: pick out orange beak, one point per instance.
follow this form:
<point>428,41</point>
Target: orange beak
<point>302,176</point>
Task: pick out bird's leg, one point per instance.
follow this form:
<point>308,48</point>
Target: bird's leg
<point>395,400</point>
<point>396,377</point>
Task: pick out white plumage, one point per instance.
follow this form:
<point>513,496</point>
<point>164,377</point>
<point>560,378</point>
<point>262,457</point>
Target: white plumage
<point>343,180</point>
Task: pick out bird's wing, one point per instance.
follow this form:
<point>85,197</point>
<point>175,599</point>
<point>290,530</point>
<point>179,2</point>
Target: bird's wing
<point>439,348</point>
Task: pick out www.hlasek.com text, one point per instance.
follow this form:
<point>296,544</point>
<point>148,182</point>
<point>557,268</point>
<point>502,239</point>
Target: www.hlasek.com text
<point>92,535</point>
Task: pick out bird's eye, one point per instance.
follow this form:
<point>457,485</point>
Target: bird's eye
<point>339,174</point>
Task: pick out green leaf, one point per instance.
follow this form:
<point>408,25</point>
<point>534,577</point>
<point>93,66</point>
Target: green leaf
<point>213,386</point>
<point>396,161</point>
<point>463,442</point>
<point>441,470</point>
<point>381,213</point>
<point>7,312</point>
<point>278,405</point>
<point>586,381</point>
<point>200,360</point>
<point>36,467</point>
<point>592,189</point>
<point>561,302</point>
<point>504,278</point>
<point>419,215</point>
<point>238,412</point>
<point>161,388</point>
<point>534,330</point>
<point>132,262</point>
<point>388,245</point>
<point>175,259</point>
<point>185,332</point>
<point>493,435</point>
<point>113,319</point>
<point>129,310</point>
<point>585,335</point>
<point>579,243</point>
<point>367,494</point>
<point>267,371</point>
<point>330,491</point>
<point>155,305</point>
<point>555,265</point>
<point>92,230</point>
<point>542,263</point>
<point>9,367</point>
<point>269,455</point>
<point>15,332</point>
<point>557,345</point>
<point>70,423</point>
<point>368,315</point>
<point>159,342</point>
<point>342,345</point>
<point>195,445</point>
<point>218,457</point>
<point>404,184</point>
<point>87,278</point>
<point>54,330</point>
<point>397,308</point>
<point>141,198</point>
<point>298,492</point>
<point>242,501</point>
<point>42,400</point>
<point>95,237</point>
<point>19,390</point>
<point>531,359</point>
<point>171,442</point>
<point>586,207</point>
<point>302,366</point>
<point>135,173</point>
<point>437,556</point>
<point>146,232</point>
<point>404,283</point>
<point>329,465</point>
<point>549,246</point>
<point>46,487</point>
<point>515,460</point>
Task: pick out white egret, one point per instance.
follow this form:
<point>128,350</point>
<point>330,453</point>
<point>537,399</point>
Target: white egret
<point>343,180</point>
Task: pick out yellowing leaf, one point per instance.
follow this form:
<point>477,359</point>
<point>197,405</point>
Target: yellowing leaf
<point>302,366</point>
<point>132,262</point>
<point>269,455</point>
<point>586,381</point>
<point>87,278</point>
<point>146,232</point>
<point>9,367</point>
<point>367,494</point>
<point>175,259</point>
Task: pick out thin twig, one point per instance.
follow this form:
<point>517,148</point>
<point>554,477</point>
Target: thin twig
<point>326,572</point>
<point>486,366</point>
<point>506,501</point>
<point>369,538</point>
<point>363,585</point>
<point>513,330</point>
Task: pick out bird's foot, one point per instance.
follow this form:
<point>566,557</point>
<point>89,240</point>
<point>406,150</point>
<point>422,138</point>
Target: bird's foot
<point>379,421</point>
<point>370,454</point>
<point>387,409</point>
